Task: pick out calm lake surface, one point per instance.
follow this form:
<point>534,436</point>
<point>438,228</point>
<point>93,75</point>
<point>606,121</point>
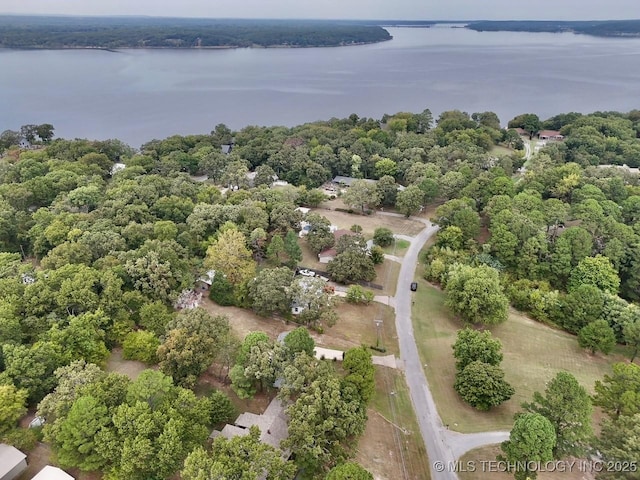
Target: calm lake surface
<point>138,95</point>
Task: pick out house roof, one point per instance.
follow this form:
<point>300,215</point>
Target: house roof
<point>208,277</point>
<point>226,148</point>
<point>330,252</point>
<point>349,180</point>
<point>549,133</point>
<point>52,473</point>
<point>272,424</point>
<point>10,457</point>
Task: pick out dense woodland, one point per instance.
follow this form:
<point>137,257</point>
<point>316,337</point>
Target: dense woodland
<point>95,257</point>
<point>598,28</point>
<point>149,32</point>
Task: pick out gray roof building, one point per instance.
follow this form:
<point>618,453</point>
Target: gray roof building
<point>12,462</point>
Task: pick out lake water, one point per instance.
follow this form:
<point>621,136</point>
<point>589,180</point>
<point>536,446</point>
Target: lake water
<point>137,95</point>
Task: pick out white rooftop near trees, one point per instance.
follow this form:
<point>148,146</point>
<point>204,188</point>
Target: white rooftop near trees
<point>52,473</point>
<point>12,462</point>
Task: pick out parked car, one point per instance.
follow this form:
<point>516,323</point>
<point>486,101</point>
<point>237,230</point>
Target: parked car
<point>414,286</point>
<point>307,273</point>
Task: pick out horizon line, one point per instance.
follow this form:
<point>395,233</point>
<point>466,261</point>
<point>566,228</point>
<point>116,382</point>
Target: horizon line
<point>67,15</point>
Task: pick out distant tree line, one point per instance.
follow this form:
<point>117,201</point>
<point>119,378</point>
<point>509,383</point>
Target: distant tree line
<point>604,28</point>
<point>65,32</point>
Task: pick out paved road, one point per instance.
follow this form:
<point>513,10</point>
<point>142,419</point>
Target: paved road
<point>442,445</point>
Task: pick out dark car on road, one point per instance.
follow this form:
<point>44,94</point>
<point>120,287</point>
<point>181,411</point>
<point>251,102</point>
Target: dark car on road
<point>414,286</point>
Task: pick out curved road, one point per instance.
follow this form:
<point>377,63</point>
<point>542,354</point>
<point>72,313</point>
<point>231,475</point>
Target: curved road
<point>442,445</point>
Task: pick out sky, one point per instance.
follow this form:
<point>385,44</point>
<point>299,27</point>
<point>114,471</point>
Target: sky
<point>335,9</point>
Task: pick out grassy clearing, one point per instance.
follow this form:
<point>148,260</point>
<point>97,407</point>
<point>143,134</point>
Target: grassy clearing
<point>489,453</point>
<point>399,249</point>
<point>392,445</point>
<point>533,354</point>
<point>130,368</point>
<point>387,276</point>
<point>369,223</point>
<point>500,150</point>
<point>356,327</point>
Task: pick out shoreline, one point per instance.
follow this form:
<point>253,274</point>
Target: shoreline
<point>211,47</point>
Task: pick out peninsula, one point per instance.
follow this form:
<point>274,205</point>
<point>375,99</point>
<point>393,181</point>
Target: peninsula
<point>47,32</point>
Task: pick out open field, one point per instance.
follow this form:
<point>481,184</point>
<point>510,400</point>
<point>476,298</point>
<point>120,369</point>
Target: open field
<point>130,368</point>
<point>392,447</point>
<point>487,471</point>
<point>355,325</point>
<point>533,353</point>
<point>500,150</point>
<point>399,249</point>
<point>369,223</point>
<point>387,276</point>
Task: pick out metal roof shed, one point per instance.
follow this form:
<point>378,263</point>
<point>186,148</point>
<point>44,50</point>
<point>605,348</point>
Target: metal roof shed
<point>12,462</point>
<point>52,473</point>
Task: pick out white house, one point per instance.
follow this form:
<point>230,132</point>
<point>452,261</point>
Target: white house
<point>117,167</point>
<point>52,473</point>
<point>12,462</point>
<point>206,280</point>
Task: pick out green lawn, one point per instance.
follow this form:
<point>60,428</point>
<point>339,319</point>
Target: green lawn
<point>533,353</point>
<point>500,150</point>
<point>399,249</point>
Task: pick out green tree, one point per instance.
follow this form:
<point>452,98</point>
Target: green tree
<point>319,237</point>
<point>191,345</point>
<point>229,256</point>
<point>360,371</point>
<point>299,340</point>
<point>264,176</point>
<point>243,457</point>
<point>597,271</point>
<point>31,367</point>
<point>74,444</point>
<point>222,409</point>
<point>141,345</point>
<point>349,471</point>
<point>482,385</point>
<point>351,266</point>
<point>631,335</point>
<point>324,421</point>
<point>269,291</point>
<point>357,294</point>
<point>154,317</point>
<point>275,249</point>
<point>619,443</point>
<point>567,405</point>
<point>472,345</point>
<point>532,439</point>
<point>597,336</point>
<point>383,236</point>
<point>362,194</point>
<point>410,200</point>
<point>292,249</point>
<point>619,394</point>
<point>388,190</point>
<point>459,213</point>
<point>476,295</point>
<point>387,167</point>
<point>12,406</point>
